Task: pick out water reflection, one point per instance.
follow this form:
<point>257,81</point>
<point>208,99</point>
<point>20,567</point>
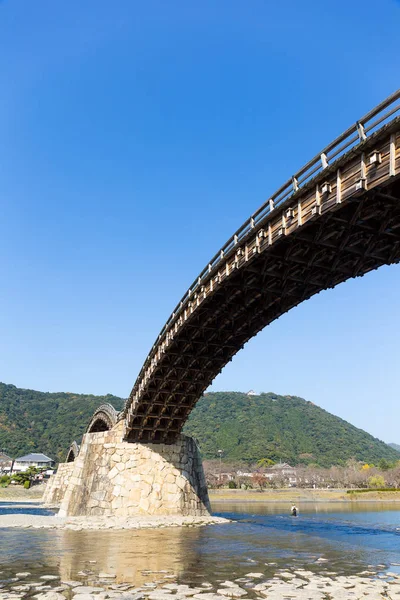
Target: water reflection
<point>347,537</point>
<point>133,556</point>
<point>273,508</point>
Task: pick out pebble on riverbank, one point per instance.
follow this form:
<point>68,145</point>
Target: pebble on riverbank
<point>298,584</point>
<point>80,523</point>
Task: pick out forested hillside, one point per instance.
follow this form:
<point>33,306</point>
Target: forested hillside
<point>283,428</point>
<point>43,422</point>
<point>395,446</point>
<point>246,428</point>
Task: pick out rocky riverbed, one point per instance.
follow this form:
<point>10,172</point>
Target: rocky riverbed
<point>298,584</point>
<point>263,554</point>
<point>99,523</point>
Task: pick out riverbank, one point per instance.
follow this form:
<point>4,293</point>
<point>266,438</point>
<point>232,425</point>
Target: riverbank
<point>302,495</point>
<point>299,583</point>
<point>34,494</point>
<point>17,493</point>
<point>102,523</point>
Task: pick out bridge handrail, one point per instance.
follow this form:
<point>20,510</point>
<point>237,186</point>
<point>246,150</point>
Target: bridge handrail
<point>353,136</point>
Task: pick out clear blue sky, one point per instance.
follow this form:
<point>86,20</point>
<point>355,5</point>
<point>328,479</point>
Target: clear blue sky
<point>135,137</point>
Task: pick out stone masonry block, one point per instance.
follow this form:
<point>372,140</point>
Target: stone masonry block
<point>113,477</point>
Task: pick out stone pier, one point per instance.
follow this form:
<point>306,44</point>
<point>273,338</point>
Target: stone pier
<point>57,484</point>
<point>110,477</point>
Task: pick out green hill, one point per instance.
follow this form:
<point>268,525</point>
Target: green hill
<point>395,446</point>
<point>283,428</point>
<point>246,428</point>
<point>43,422</point>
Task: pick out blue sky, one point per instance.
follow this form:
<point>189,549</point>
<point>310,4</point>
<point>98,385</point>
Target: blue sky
<point>135,138</point>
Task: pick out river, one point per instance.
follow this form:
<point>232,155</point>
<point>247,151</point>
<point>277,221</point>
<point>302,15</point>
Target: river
<point>344,538</point>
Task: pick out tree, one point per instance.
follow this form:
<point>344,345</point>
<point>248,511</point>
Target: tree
<point>4,480</point>
<point>393,477</point>
<point>306,457</point>
<point>27,476</point>
<point>265,462</point>
<point>376,481</point>
<point>260,480</point>
<point>384,464</point>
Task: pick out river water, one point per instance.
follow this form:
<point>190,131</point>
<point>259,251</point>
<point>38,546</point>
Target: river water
<point>345,538</point>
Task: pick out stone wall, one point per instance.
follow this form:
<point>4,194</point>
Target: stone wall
<point>57,484</point>
<point>124,479</point>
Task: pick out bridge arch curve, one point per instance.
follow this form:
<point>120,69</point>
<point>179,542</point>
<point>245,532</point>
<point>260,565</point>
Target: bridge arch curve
<point>103,419</point>
<point>73,452</point>
<point>335,219</point>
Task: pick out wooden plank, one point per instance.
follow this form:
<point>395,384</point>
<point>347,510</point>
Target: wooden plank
<point>378,172</point>
<point>299,213</point>
<point>307,205</point>
<point>392,156</point>
<point>275,226</point>
<point>397,154</point>
<point>292,222</point>
<point>329,201</point>
<point>350,176</point>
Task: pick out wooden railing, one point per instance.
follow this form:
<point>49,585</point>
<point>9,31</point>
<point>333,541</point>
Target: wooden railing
<point>374,120</point>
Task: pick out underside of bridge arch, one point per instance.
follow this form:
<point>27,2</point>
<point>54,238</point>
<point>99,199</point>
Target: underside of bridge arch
<point>104,419</point>
<point>99,425</point>
<point>72,453</point>
<point>348,241</point>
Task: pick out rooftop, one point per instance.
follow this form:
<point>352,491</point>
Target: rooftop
<point>34,458</point>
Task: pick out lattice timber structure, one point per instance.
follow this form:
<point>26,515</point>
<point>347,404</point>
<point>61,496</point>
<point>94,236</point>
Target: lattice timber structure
<point>338,217</point>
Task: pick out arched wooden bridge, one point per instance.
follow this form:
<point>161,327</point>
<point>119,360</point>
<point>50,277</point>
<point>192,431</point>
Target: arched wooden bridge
<point>338,217</point>
<point>73,452</point>
<point>103,419</point>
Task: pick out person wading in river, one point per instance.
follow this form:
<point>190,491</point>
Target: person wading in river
<point>294,510</point>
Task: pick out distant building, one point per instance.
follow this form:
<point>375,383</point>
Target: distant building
<point>5,462</point>
<point>284,470</point>
<point>251,393</point>
<point>32,460</point>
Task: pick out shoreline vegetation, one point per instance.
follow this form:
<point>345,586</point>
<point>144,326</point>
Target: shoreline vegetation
<point>284,495</point>
<point>304,495</point>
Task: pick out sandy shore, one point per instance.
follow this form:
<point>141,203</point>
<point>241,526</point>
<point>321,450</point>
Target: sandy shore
<point>80,523</point>
<point>16,493</point>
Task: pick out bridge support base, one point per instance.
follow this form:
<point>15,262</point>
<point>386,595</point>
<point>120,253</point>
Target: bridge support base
<point>114,478</point>
<point>57,484</point>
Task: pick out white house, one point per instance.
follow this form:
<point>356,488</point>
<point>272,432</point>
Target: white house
<point>32,460</point>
